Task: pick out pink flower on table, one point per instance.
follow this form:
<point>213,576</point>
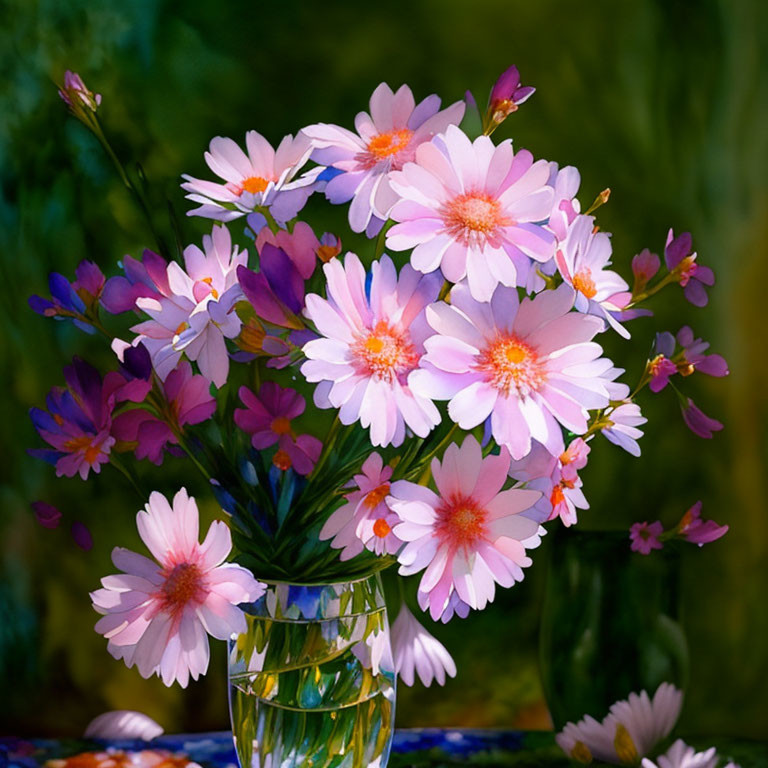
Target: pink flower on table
<point>156,614</point>
<point>621,426</point>
<point>473,210</point>
<point>367,502</point>
<point>370,342</point>
<point>529,366</point>
<point>698,421</point>
<point>385,140</point>
<point>417,652</point>
<point>692,528</point>
<point>188,400</point>
<point>645,537</point>
<point>583,259</point>
<point>198,315</point>
<point>261,178</point>
<point>467,537</point>
<point>693,277</point>
<point>267,419</point>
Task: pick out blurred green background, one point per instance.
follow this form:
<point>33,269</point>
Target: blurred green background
<point>664,101</point>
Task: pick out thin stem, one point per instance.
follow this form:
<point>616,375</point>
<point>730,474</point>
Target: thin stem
<point>123,470</point>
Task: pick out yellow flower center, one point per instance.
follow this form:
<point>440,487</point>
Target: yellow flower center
<point>580,753</point>
<point>511,365</point>
<point>385,353</point>
<point>583,282</point>
<point>625,748</point>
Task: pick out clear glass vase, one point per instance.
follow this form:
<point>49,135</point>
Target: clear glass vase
<point>312,682</point>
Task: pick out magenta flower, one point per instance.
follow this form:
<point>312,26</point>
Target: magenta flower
<point>473,210</point>
<point>692,528</point>
<point>417,652</point>
<point>47,515</point>
<point>188,401</point>
<point>467,537</point>
<point>365,504</point>
<point>693,357</point>
<point>582,260</point>
<point>156,615</point>
<point>261,178</point>
<point>372,339</point>
<point>385,140</point>
<point>147,278</point>
<point>507,95</point>
<point>621,427</point>
<point>529,366</point>
<point>267,418</point>
<point>645,265</point>
<point>198,315</point>
<point>694,278</point>
<point>661,367</point>
<point>76,95</point>
<point>698,421</point>
<point>645,537</point>
<point>301,246</point>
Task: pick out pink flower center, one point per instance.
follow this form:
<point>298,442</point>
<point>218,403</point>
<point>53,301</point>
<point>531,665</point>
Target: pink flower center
<point>583,282</point>
<point>381,528</point>
<point>687,269</point>
<point>389,144</point>
<point>385,353</point>
<point>473,218</point>
<point>183,584</point>
<point>461,522</point>
<point>511,365</point>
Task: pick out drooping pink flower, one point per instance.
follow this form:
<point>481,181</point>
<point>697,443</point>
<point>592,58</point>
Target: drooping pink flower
<point>645,265</point>
<point>386,139</point>
<point>156,616</point>
<point>267,418</point>
<point>693,277</point>
<point>467,537</point>
<point>692,528</point>
<point>75,94</point>
<point>645,537</point>
<point>198,315</point>
<point>621,426</point>
<point>371,342</point>
<point>529,366</point>
<point>188,400</point>
<point>417,652</point>
<point>698,421</point>
<point>473,210</point>
<point>261,178</point>
<point>367,502</point>
<point>583,259</point>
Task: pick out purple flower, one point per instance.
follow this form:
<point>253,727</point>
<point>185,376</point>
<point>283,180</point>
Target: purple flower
<point>506,96</point>
<point>692,528</point>
<point>645,537</point>
<point>698,421</point>
<point>147,278</point>
<point>693,277</point>
<point>694,358</point>
<point>45,514</point>
<point>76,95</point>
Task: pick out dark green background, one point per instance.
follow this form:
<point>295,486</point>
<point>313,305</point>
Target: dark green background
<point>665,102</point>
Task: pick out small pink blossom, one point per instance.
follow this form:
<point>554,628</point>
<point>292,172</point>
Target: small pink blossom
<point>473,210</point>
<point>371,340</point>
<point>645,537</point>
<point>156,616</point>
<point>565,207</point>
<point>467,537</point>
<point>620,426</point>
<point>692,528</point>
<point>267,418</point>
<point>75,94</point>
<point>698,421</point>
<point>506,97</point>
<point>693,277</point>
<point>385,140</point>
<point>645,265</point>
<point>694,357</point>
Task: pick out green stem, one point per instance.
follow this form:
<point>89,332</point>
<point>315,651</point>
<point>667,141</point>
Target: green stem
<point>381,240</point>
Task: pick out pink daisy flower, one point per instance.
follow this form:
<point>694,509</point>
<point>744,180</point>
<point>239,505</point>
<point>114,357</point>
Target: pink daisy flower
<point>582,260</point>
<point>473,210</point>
<point>156,615</point>
<point>198,315</point>
<point>680,755</point>
<point>467,537</point>
<point>645,537</point>
<point>267,418</point>
<point>529,366</point>
<point>262,177</point>
<point>366,504</point>
<point>371,341</point>
<point>386,139</point>
<point>417,652</point>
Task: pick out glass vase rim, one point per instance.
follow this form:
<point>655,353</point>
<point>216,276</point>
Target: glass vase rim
<point>331,583</point>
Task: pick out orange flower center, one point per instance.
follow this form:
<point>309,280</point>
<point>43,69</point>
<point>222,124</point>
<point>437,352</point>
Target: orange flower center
<point>281,425</point>
<point>254,184</point>
<point>460,522</point>
<point>473,217</point>
<point>327,252</point>
<point>583,282</point>
<point>182,584</point>
<point>282,460</point>
<point>511,365</point>
<point>376,496</point>
<point>381,528</point>
<point>84,444</point>
<point>390,143</point>
<point>209,281</point>
<point>557,497</point>
<point>385,353</point>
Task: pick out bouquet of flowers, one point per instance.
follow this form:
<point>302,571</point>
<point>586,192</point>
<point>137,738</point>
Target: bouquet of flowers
<point>426,404</point>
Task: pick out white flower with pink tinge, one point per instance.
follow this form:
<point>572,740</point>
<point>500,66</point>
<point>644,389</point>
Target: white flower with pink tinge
<point>417,652</point>
<point>529,366</point>
<point>582,259</point>
<point>156,616</point>
<point>199,312</point>
<point>473,210</point>
<point>385,140</point>
<point>262,177</point>
<point>467,537</point>
<point>370,346</point>
<point>680,755</point>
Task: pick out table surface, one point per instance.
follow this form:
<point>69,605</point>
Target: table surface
<point>419,748</point>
